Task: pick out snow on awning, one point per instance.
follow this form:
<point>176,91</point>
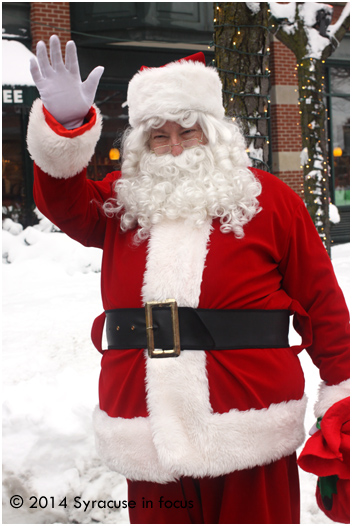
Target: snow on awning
<point>15,64</point>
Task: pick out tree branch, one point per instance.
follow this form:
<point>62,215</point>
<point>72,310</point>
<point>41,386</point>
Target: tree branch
<point>296,40</point>
<point>335,37</point>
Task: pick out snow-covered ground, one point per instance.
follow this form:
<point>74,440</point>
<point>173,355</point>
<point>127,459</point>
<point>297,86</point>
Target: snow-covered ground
<point>51,294</point>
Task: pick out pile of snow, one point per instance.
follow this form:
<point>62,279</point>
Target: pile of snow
<point>34,243</point>
<point>51,294</point>
<point>12,227</point>
<point>15,64</point>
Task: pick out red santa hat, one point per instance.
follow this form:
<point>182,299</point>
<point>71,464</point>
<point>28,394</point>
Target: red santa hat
<point>187,84</point>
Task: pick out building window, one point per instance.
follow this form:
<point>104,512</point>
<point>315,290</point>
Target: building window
<point>337,91</point>
<point>118,23</point>
<point>339,114</point>
<point>16,22</point>
<point>17,167</point>
<point>12,160</point>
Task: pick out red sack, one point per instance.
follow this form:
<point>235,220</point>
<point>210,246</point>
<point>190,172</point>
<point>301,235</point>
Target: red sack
<point>327,455</point>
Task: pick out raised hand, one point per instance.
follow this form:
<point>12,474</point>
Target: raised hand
<point>61,89</point>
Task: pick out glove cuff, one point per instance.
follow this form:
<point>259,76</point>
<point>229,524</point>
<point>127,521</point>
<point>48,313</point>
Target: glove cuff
<point>60,152</point>
<point>329,395</point>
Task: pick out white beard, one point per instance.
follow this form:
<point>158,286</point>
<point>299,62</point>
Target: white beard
<point>192,186</point>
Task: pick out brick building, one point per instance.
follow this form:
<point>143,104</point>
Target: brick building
<point>124,35</point>
<point>286,141</point>
<point>44,16</point>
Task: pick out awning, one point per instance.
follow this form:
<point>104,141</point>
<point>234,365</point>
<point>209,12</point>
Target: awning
<point>18,87</point>
<point>15,64</point>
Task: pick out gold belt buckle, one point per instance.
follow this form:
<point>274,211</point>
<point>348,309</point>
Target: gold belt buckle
<point>162,353</point>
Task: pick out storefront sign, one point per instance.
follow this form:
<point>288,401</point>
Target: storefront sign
<point>12,96</point>
<point>19,95</point>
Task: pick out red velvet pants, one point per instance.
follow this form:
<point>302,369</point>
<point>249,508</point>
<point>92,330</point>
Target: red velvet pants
<point>262,495</point>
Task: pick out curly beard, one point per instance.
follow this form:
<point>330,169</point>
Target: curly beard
<point>192,186</point>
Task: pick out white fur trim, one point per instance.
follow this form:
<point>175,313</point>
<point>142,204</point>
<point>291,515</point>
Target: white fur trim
<point>182,435</point>
<point>59,156</point>
<point>175,262</point>
<point>126,446</point>
<point>329,395</point>
<point>178,86</point>
<point>214,445</point>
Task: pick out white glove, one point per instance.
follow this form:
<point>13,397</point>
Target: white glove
<point>62,92</point>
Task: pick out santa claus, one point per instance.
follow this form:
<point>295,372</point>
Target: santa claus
<point>201,398</point>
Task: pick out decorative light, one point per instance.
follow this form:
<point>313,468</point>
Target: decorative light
<point>114,154</point>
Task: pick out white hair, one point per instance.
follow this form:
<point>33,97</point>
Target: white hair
<point>210,180</point>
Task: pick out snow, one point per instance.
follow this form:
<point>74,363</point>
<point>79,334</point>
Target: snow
<point>51,294</point>
<point>307,12</point>
<point>255,154</point>
<point>15,64</point>
<point>282,11</point>
<point>333,28</point>
<point>304,156</point>
<point>334,215</point>
<point>316,43</point>
<point>254,7</point>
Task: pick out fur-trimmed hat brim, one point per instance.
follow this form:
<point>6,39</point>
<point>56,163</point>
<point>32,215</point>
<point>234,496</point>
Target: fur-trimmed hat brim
<point>178,86</point>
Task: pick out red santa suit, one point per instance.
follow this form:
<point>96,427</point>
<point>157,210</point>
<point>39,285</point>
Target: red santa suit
<point>234,416</point>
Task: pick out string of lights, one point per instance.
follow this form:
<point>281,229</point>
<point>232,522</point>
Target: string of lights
<point>316,164</point>
<point>239,26</point>
<point>239,33</point>
<point>239,51</point>
<point>256,75</point>
<point>312,113</point>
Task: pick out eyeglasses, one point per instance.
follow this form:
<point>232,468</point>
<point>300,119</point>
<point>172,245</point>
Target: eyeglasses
<point>186,145</point>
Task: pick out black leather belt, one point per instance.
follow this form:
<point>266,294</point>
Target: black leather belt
<point>165,329</point>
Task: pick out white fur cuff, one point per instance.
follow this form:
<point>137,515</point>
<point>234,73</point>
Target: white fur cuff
<point>329,395</point>
<point>58,156</point>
